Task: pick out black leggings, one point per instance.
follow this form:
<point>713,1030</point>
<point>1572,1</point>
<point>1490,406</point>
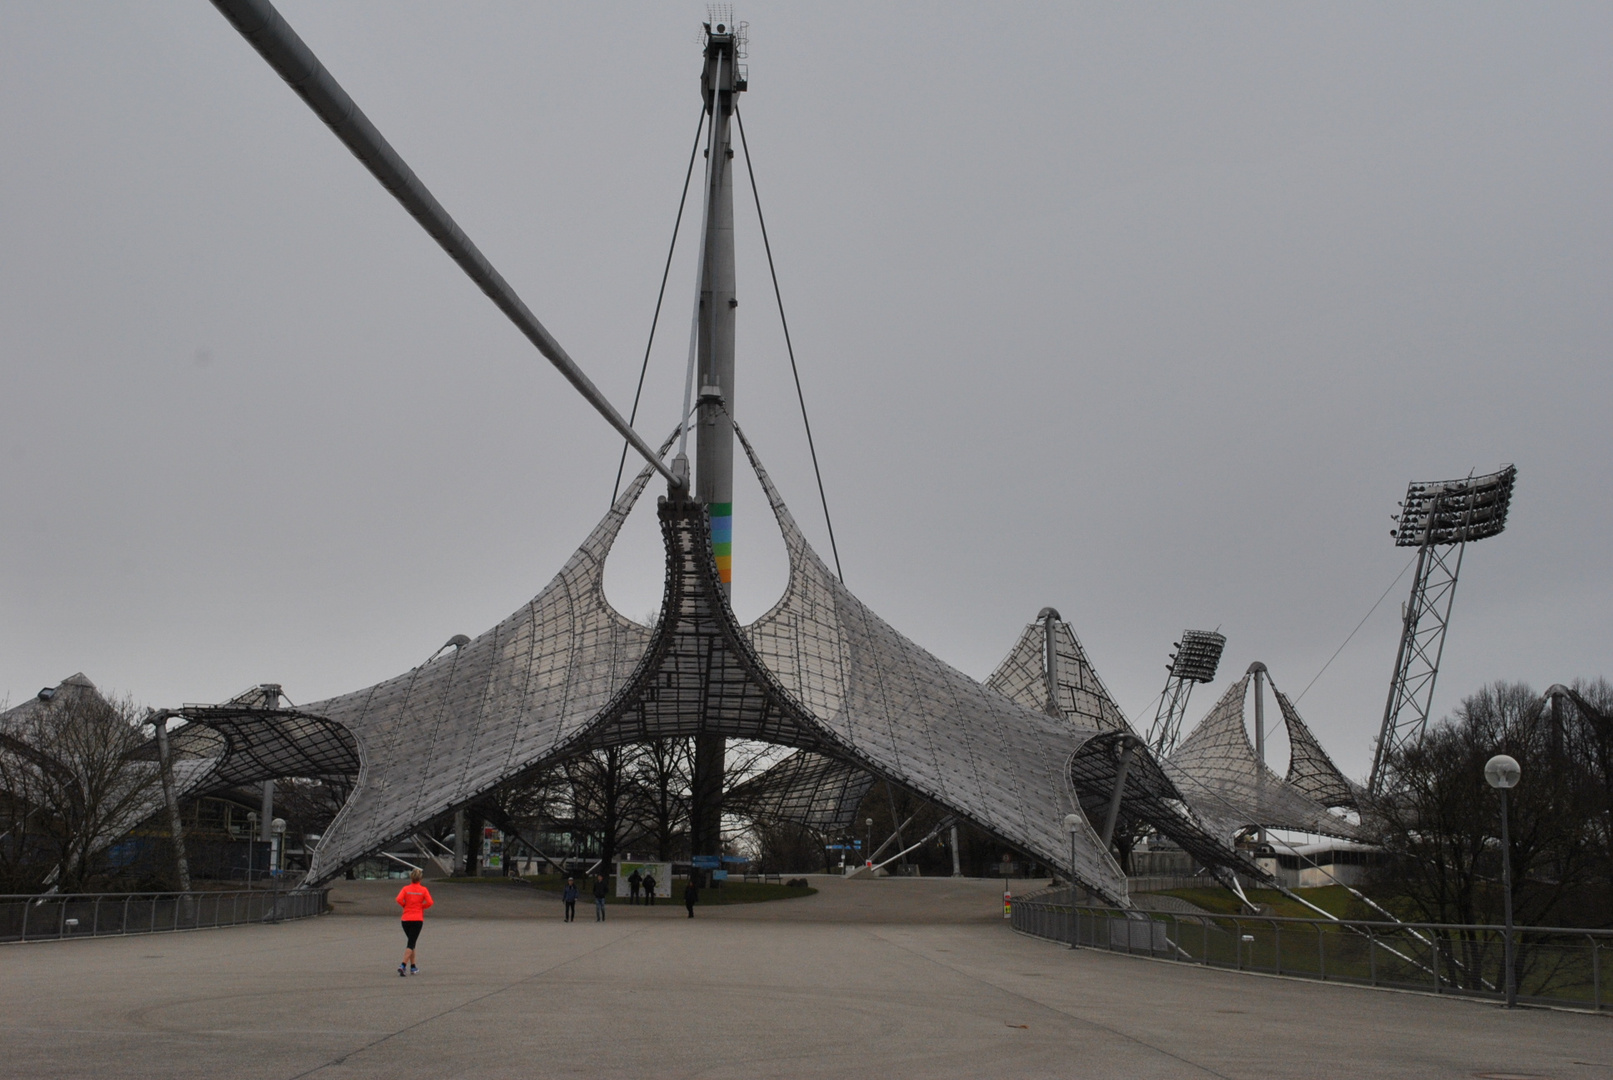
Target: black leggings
<point>411,930</point>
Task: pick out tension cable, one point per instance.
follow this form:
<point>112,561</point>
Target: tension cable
<point>656,318</point>
<point>785,323</point>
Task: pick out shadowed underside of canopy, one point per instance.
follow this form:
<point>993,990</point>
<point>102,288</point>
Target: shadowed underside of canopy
<point>809,789</point>
<point>1228,787</point>
<point>819,672</point>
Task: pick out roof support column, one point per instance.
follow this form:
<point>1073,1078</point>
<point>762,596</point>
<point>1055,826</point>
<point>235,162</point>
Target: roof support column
<point>1128,749</point>
<point>714,431</point>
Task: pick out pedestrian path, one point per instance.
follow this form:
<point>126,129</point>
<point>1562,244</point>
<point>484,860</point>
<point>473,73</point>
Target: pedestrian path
<point>721,998</point>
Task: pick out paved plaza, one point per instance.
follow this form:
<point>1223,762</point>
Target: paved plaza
<point>893,978</point>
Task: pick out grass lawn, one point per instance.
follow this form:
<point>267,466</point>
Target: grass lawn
<point>1334,899</point>
<point>731,892</point>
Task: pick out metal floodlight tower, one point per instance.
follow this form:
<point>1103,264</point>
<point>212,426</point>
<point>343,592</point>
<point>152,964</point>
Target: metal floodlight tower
<point>1197,656</point>
<point>1438,519</point>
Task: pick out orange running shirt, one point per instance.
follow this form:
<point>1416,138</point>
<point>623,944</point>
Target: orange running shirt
<point>415,899</point>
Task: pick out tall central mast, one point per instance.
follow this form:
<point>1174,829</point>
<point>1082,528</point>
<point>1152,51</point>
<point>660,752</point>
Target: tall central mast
<point>714,433</point>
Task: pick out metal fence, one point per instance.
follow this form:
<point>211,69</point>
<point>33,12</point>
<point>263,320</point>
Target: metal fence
<point>1554,966</point>
<point>55,917</point>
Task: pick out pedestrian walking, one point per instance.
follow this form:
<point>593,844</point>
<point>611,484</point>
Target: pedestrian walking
<point>570,897</point>
<point>599,897</point>
<point>649,888</point>
<point>414,898</point>
<point>634,882</point>
<point>691,896</point>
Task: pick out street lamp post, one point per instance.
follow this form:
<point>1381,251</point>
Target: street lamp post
<point>251,845</point>
<point>1072,825</point>
<point>868,844</point>
<point>1502,773</point>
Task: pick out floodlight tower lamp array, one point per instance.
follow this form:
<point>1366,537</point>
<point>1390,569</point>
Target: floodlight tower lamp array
<point>1195,660</point>
<point>1438,518</point>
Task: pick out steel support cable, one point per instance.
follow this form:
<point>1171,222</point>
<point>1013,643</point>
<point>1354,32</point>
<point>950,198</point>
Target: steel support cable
<point>700,269</point>
<point>789,347</point>
<point>683,199</point>
<point>268,32</point>
<point>1358,626</point>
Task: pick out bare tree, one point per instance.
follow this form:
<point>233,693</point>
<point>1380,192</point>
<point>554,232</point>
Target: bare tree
<point>661,780</point>
<point>1440,822</point>
<point>73,783</point>
<point>601,786</point>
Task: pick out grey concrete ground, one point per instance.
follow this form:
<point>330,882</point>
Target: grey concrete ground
<point>902,978</point>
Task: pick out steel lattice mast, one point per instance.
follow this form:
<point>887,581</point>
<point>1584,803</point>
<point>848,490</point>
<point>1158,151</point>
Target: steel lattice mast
<point>1438,519</point>
<point>720,81</point>
<point>1197,656</point>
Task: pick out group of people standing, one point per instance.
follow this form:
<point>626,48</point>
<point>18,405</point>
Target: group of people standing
<point>637,881</point>
<point>569,896</point>
<point>638,884</point>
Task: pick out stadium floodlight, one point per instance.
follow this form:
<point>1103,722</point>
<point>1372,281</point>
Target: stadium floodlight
<point>1437,518</point>
<point>1197,655</point>
<point>1455,511</point>
<point>1195,660</point>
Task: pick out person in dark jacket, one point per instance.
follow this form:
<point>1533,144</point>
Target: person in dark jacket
<point>570,897</point>
<point>649,889</point>
<point>634,882</point>
<point>599,897</point>
<point>691,896</point>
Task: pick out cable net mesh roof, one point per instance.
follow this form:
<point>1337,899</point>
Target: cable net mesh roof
<point>1310,771</point>
<point>819,672</point>
<point>1228,787</point>
<point>1082,697</point>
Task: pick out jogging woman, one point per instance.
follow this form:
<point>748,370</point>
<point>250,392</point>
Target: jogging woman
<point>414,898</point>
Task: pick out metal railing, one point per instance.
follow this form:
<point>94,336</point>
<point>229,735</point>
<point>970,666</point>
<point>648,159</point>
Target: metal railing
<point>1555,966</point>
<point>59,916</point>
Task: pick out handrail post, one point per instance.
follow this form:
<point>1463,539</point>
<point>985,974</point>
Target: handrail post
<point>1321,953</point>
<point>1372,956</point>
<point>1277,938</point>
<point>1596,973</point>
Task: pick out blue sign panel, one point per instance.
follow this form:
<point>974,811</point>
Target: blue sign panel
<point>706,862</point>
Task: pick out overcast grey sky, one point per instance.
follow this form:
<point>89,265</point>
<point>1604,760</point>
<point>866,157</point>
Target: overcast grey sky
<point>1146,312</point>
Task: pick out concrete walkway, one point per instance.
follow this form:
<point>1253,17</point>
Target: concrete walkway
<point>844,986</point>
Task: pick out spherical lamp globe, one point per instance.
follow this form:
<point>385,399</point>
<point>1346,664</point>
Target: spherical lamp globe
<point>1502,771</point>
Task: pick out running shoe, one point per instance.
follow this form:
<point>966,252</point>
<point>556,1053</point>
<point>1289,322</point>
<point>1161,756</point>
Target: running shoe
<point>413,970</point>
<point>402,972</point>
